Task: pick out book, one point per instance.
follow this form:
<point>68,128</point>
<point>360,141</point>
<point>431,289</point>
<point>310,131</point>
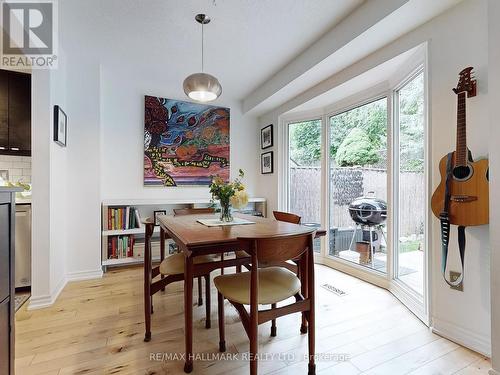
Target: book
<point>138,219</point>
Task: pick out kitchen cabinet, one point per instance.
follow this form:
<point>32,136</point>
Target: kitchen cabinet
<point>4,110</point>
<point>15,113</point>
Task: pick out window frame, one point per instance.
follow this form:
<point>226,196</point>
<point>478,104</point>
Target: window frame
<point>417,63</point>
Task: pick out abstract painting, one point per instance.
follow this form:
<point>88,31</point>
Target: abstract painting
<point>184,143</point>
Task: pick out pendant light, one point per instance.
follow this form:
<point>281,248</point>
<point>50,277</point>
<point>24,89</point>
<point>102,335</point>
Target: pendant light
<point>202,87</point>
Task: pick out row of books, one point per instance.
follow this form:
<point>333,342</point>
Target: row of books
<point>120,247</point>
<point>123,218</point>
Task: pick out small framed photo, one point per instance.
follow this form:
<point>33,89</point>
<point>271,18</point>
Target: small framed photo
<point>60,126</point>
<point>156,214</point>
<point>266,137</point>
<point>266,162</point>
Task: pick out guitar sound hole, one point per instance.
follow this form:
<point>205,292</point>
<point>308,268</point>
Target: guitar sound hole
<point>462,172</point>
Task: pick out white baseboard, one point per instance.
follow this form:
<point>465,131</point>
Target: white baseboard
<point>40,302</point>
<point>462,336</point>
<point>84,275</point>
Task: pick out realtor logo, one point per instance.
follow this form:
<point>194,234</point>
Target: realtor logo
<point>29,34</point>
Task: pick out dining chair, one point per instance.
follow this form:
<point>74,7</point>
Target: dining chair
<point>268,286</point>
<point>171,269</point>
<point>199,211</point>
<point>280,216</point>
<point>287,217</point>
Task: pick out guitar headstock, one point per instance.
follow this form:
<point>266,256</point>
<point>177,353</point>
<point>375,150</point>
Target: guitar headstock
<point>466,82</point>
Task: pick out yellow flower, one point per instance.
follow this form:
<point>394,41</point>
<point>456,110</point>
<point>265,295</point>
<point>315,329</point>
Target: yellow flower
<point>239,199</point>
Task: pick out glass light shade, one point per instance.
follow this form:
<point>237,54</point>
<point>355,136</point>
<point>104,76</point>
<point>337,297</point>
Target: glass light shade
<point>202,87</point>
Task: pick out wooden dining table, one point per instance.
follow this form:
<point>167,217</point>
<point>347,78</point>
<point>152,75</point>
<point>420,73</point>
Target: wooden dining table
<point>195,239</point>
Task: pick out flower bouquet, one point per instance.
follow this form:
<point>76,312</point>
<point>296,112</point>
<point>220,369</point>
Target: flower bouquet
<point>229,194</point>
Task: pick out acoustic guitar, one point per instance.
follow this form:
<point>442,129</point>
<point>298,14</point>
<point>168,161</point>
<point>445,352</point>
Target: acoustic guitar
<point>468,190</point>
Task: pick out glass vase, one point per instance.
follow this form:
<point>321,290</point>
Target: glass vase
<point>225,212</point>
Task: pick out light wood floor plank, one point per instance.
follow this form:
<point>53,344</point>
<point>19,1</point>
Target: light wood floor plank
<point>97,327</point>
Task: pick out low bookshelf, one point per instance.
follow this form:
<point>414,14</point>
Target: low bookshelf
<point>123,231</point>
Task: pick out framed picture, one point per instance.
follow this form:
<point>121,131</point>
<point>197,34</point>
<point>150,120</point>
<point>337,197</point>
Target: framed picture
<point>195,147</point>
<point>158,213</point>
<point>60,126</point>
<point>266,137</point>
<point>266,162</point>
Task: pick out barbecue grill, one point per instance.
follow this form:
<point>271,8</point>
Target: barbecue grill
<point>368,212</point>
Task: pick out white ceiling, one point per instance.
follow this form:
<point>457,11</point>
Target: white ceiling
<point>246,43</point>
<point>380,74</point>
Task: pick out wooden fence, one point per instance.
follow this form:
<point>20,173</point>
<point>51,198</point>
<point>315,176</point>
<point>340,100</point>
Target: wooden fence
<point>305,197</point>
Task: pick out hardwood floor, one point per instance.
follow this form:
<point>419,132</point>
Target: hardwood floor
<point>97,327</point>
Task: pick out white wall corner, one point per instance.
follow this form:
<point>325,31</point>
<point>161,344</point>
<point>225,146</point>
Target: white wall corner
<point>469,339</point>
<point>40,302</point>
<point>494,158</point>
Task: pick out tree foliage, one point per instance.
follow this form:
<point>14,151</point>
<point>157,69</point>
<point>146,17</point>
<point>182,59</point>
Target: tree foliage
<point>305,143</point>
<point>411,129</point>
<point>368,144</point>
<point>371,117</point>
<point>356,149</point>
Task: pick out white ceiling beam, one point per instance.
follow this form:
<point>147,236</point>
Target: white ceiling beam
<point>362,19</point>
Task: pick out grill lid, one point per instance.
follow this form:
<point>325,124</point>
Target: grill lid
<point>368,210</point>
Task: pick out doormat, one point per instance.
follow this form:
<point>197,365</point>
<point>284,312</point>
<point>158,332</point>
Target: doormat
<point>334,290</point>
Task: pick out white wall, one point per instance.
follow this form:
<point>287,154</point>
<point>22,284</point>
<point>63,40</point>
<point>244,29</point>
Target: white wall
<point>40,148</point>
<point>494,95</point>
<point>122,135</point>
<point>451,48</point>
<point>49,238</point>
<point>104,155</point>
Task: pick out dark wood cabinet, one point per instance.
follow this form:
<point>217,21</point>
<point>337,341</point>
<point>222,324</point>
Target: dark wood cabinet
<point>4,110</point>
<point>15,113</point>
<point>7,293</point>
<point>20,112</point>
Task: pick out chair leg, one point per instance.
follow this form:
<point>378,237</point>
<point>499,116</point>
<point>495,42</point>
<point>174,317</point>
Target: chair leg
<point>200,298</point>
<point>207,302</point>
<point>311,339</point>
<point>147,319</point>
<point>152,309</point>
<point>222,334</point>
<point>273,323</point>
<point>238,269</point>
<point>254,346</point>
<point>304,291</point>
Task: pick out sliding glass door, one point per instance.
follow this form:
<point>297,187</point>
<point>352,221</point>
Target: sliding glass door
<point>358,185</point>
<point>410,186</point>
<point>360,172</point>
<point>304,172</point>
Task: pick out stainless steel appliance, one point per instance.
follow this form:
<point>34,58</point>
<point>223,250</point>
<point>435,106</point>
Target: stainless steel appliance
<point>23,246</point>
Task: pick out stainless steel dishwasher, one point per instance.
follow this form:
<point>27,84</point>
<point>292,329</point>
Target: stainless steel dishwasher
<point>23,246</point>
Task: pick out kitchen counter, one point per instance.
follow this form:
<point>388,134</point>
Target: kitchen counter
<point>9,189</point>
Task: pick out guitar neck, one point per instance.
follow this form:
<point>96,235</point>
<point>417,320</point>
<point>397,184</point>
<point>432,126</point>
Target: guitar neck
<point>461,148</point>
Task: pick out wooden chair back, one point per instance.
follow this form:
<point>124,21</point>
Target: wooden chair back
<point>276,249</point>
<point>193,211</point>
<point>287,216</point>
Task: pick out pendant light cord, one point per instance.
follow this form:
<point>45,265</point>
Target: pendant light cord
<point>202,43</point>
